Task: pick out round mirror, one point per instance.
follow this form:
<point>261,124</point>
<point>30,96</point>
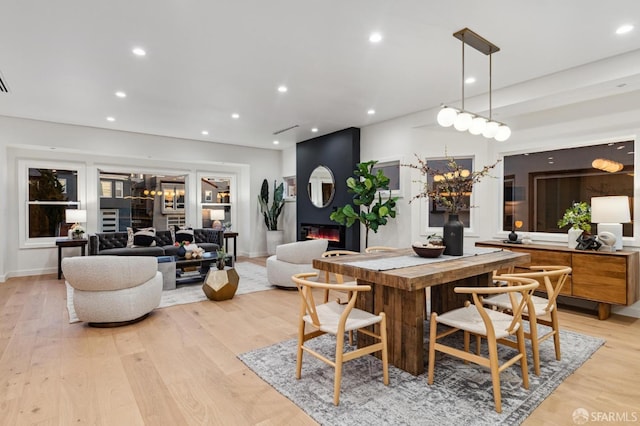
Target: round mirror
<point>321,186</point>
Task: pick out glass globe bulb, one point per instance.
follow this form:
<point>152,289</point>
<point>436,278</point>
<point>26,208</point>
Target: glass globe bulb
<point>463,121</point>
<point>447,116</point>
<point>490,130</point>
<point>503,133</point>
<point>478,125</point>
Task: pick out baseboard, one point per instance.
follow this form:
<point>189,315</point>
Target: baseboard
<point>30,272</point>
<point>628,311</point>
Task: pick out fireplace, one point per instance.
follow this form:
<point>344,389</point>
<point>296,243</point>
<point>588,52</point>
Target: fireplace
<point>334,233</point>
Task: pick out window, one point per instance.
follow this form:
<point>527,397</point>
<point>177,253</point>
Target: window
<point>540,186</point>
<point>437,214</point>
<point>46,189</point>
<point>216,196</point>
<point>391,169</point>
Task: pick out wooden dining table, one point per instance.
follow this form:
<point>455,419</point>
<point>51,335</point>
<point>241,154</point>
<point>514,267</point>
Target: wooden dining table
<point>399,292</point>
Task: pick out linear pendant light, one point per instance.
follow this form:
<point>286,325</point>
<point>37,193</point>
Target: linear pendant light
<point>462,119</point>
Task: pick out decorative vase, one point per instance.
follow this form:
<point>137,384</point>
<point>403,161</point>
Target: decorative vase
<point>573,235</point>
<point>453,236</point>
<point>181,251</point>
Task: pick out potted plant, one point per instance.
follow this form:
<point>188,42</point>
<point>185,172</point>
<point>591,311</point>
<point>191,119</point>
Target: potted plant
<point>579,217</point>
<point>374,212</point>
<point>271,213</point>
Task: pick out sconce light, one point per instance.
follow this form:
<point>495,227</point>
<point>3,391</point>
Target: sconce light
<point>610,213</point>
<point>464,120</point>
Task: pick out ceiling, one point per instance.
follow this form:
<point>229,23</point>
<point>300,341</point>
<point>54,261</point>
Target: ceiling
<point>64,60</point>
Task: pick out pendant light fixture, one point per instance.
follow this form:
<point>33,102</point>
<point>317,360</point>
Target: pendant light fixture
<point>462,119</point>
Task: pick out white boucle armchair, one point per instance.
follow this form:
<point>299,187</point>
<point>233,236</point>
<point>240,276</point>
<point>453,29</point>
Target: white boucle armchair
<point>293,258</point>
<point>113,290</point>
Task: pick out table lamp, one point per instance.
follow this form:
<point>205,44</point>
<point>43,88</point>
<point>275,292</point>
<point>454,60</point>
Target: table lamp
<point>610,213</point>
<point>217,215</point>
<point>75,216</point>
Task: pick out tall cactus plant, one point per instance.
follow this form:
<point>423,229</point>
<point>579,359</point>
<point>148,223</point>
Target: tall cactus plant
<point>272,213</point>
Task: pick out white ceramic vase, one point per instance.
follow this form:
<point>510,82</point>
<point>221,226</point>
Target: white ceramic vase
<point>274,239</point>
<point>573,235</point>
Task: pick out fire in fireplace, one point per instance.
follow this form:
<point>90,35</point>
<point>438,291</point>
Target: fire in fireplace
<point>334,233</point>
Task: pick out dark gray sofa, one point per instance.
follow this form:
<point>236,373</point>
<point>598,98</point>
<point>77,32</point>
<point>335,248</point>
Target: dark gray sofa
<point>115,243</point>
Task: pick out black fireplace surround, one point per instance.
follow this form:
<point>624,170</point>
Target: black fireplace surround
<point>340,153</point>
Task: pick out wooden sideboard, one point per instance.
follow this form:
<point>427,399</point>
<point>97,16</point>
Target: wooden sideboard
<point>602,277</point>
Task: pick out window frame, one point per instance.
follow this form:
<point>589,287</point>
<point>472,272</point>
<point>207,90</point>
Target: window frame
<point>233,188</point>
<point>26,242</point>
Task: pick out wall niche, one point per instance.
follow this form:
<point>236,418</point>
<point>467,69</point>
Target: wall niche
<point>340,153</point>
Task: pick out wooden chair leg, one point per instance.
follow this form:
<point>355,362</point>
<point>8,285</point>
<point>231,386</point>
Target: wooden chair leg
<point>522,348</point>
<point>556,332</point>
<point>495,373</point>
<point>300,351</point>
<point>467,345</point>
<point>433,327</point>
<point>338,369</point>
<point>478,344</point>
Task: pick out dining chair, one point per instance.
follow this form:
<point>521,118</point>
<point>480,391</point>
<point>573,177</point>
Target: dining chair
<point>338,279</point>
<point>335,318</point>
<point>494,326</point>
<point>375,249</point>
<point>540,309</point>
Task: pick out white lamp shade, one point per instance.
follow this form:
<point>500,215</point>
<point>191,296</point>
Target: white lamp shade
<point>447,116</point>
<point>478,125</point>
<point>217,214</point>
<point>75,216</point>
<point>503,133</point>
<point>463,121</point>
<point>613,209</point>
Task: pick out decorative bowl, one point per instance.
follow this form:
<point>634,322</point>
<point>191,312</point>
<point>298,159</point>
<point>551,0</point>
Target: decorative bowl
<point>427,250</point>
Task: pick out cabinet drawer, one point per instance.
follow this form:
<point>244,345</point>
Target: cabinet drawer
<point>600,278</point>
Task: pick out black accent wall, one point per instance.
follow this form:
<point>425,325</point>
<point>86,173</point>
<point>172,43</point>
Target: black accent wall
<point>340,152</point>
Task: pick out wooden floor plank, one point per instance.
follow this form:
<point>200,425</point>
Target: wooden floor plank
<point>180,365</point>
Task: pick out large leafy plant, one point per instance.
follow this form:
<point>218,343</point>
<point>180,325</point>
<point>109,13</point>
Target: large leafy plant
<point>578,216</point>
<point>272,213</point>
<point>365,187</point>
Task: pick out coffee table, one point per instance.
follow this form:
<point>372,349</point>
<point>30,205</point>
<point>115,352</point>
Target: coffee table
<point>178,270</point>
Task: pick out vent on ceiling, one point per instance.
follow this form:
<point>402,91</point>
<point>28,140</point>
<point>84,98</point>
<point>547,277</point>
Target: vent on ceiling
<point>3,85</point>
<point>277,132</point>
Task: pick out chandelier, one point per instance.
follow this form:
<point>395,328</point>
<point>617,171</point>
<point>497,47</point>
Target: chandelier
<point>462,119</point>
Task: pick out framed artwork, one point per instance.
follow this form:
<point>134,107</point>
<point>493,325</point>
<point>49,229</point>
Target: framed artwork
<point>208,196</point>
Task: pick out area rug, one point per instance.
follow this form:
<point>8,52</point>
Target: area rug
<point>252,278</point>
<point>461,394</point>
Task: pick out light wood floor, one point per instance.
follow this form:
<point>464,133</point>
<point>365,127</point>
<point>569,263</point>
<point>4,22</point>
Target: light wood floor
<point>179,366</point>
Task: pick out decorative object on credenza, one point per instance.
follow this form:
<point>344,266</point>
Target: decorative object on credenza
<point>513,236</point>
<point>608,241</point>
<point>451,190</point>
<point>76,216</point>
<point>579,217</point>
<point>373,210</point>
<point>588,242</point>
<point>462,119</point>
<point>610,213</point>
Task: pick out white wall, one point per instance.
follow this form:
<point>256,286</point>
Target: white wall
<point>93,148</point>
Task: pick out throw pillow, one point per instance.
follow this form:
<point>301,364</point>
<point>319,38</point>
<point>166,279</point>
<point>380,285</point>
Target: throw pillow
<point>129,237</point>
<point>184,235</point>
<point>145,237</point>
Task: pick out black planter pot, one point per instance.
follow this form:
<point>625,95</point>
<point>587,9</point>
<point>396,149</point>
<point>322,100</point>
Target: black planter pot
<point>453,236</point>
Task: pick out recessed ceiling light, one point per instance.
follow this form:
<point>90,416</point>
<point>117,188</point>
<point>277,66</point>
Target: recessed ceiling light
<point>371,111</point>
<point>550,162</point>
<point>235,115</point>
<point>121,94</point>
<point>111,119</point>
<point>620,147</point>
<point>139,51</point>
<point>623,29</point>
<point>282,89</point>
<point>276,142</point>
<point>470,80</point>
<point>630,152</point>
<point>375,38</point>
<point>314,130</point>
<point>205,132</point>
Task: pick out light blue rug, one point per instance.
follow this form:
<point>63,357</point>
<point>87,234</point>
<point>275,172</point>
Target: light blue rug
<point>461,394</point>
